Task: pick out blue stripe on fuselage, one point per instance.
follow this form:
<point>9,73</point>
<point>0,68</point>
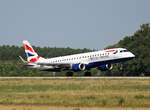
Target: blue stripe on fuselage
<point>96,64</point>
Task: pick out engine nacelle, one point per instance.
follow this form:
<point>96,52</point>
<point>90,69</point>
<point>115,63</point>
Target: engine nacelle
<point>78,67</point>
<point>105,67</point>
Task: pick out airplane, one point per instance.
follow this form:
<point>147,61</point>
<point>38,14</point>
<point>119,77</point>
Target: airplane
<point>102,60</point>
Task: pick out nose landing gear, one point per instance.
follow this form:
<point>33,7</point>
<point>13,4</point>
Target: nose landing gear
<point>121,66</point>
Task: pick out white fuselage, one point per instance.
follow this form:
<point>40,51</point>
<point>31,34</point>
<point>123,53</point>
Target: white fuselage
<point>90,59</point>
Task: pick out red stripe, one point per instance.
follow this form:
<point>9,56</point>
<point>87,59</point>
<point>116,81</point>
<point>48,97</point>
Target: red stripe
<point>110,50</point>
<point>34,59</point>
<point>28,48</point>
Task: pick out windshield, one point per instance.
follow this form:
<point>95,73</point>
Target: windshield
<point>124,51</point>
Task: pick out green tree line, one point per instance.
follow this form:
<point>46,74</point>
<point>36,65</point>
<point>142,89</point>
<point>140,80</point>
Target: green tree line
<point>11,65</point>
<point>139,44</point>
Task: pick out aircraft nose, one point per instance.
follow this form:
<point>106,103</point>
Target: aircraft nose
<point>132,55</point>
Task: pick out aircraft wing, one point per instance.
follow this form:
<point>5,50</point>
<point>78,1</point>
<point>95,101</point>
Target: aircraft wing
<point>61,65</point>
<point>26,63</point>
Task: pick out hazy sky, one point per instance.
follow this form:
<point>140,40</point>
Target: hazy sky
<point>92,24</point>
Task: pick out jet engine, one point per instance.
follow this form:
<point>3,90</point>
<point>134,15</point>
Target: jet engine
<point>105,67</point>
<point>78,67</point>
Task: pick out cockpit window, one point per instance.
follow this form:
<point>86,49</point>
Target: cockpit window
<point>123,51</point>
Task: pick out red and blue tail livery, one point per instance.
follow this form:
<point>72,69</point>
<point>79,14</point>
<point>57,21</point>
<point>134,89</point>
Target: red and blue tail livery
<point>32,56</point>
<point>102,60</point>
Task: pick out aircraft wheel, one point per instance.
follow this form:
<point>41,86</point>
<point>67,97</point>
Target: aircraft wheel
<point>87,74</point>
<point>69,74</point>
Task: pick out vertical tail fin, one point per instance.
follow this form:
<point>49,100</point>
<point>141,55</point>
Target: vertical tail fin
<point>32,56</point>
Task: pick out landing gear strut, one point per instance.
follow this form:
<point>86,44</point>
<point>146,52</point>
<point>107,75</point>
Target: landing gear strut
<point>121,66</point>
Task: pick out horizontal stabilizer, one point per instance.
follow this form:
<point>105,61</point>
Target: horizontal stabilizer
<point>23,60</point>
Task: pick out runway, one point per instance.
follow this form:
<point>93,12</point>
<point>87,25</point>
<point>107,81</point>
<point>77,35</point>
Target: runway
<point>74,77</point>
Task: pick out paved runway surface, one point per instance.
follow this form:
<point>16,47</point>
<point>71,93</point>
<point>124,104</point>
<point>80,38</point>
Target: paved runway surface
<point>74,77</point>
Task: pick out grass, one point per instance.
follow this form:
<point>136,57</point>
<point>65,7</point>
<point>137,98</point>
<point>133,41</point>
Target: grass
<point>76,92</point>
<point>29,107</point>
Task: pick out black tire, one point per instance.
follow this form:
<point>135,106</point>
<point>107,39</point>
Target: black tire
<point>87,74</point>
<point>69,74</point>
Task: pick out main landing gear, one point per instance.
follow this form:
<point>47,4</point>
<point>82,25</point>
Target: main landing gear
<point>69,74</point>
<point>87,73</point>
